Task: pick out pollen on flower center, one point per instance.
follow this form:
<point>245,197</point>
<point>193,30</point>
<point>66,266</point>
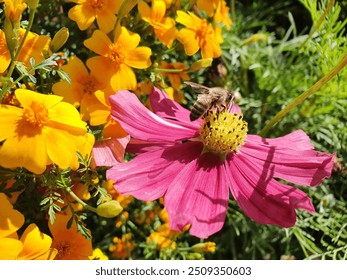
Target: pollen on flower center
<point>64,249</point>
<point>223,133</point>
<point>203,30</point>
<point>116,54</point>
<point>36,114</point>
<point>90,86</point>
<point>97,4</point>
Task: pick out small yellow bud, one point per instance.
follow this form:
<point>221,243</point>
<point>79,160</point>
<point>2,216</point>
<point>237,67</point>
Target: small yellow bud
<point>254,38</point>
<point>32,4</point>
<point>59,39</point>
<point>109,209</point>
<point>204,247</point>
<point>200,64</point>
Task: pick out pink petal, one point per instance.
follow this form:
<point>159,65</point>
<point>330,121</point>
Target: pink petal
<point>148,175</point>
<point>109,152</point>
<point>143,124</point>
<point>290,158</point>
<point>262,198</point>
<point>136,146</point>
<point>199,196</point>
<point>166,108</point>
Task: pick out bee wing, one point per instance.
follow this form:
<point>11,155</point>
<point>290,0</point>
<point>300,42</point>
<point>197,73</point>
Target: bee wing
<point>198,89</point>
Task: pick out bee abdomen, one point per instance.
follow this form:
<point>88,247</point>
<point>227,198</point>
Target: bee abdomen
<point>197,111</point>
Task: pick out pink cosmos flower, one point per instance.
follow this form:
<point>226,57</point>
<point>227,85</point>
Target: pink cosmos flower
<point>195,164</point>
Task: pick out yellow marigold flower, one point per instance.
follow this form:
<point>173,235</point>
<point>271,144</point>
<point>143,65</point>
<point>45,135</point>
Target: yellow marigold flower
<point>116,60</point>
<point>87,11</point>
<point>33,245</point>
<point>52,129</point>
<point>122,247</point>
<point>164,27</point>
<point>14,9</point>
<point>70,243</point>
<point>198,34</point>
<point>98,255</point>
<point>222,14</point>
<point>81,91</point>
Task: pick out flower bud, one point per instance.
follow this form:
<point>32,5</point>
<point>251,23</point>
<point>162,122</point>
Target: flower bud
<point>32,4</point>
<point>59,39</point>
<point>204,247</point>
<point>109,209</point>
<point>200,64</point>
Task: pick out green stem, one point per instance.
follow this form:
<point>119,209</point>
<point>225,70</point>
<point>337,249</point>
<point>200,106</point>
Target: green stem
<point>76,198</point>
<point>169,70</point>
<point>317,86</point>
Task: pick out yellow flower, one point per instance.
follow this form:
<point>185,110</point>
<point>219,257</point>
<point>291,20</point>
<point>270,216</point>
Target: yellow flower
<point>33,47</point>
<point>44,131</point>
<point>81,91</point>
<point>222,14</point>
<point>164,27</point>
<point>161,241</point>
<point>87,11</point>
<point>70,243</point>
<point>116,60</point>
<point>198,34</point>
<point>5,57</point>
<point>14,9</point>
<point>98,255</point>
<point>122,247</point>
<point>33,244</point>
<point>209,247</point>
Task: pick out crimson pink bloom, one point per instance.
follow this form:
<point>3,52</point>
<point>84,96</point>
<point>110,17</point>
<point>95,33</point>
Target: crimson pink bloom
<point>173,162</point>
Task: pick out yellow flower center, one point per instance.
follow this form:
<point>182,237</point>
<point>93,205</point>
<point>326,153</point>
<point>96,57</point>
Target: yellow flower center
<point>203,30</point>
<point>116,54</point>
<point>36,114</point>
<point>223,133</point>
<point>97,4</point>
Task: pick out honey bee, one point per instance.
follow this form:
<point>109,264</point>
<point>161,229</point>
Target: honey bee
<point>210,99</point>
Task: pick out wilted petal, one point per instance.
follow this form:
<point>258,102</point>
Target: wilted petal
<point>261,197</point>
<point>198,195</point>
<point>143,124</point>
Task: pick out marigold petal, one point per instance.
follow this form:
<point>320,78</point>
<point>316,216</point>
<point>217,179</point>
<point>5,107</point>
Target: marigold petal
<point>143,124</point>
<point>113,129</point>
<point>9,116</point>
<point>106,20</point>
<point>264,199</point>
<point>35,243</point>
<point>123,78</point>
<point>15,153</point>
<point>98,43</point>
<point>189,41</point>
<point>102,68</point>
<point>211,48</point>
<point>187,20</point>
<point>127,39</point>
<point>26,98</point>
<point>144,10</point>
<point>82,15</point>
<point>198,195</point>
<point>11,220</point>
<point>10,248</point>
<point>71,92</point>
<point>76,69</point>
<point>139,58</point>
<point>158,10</point>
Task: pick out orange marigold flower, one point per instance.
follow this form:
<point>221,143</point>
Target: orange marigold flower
<point>116,60</point>
<point>70,243</point>
<point>87,11</point>
<point>198,34</point>
<point>5,56</point>
<point>98,254</point>
<point>164,27</point>
<point>44,131</point>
